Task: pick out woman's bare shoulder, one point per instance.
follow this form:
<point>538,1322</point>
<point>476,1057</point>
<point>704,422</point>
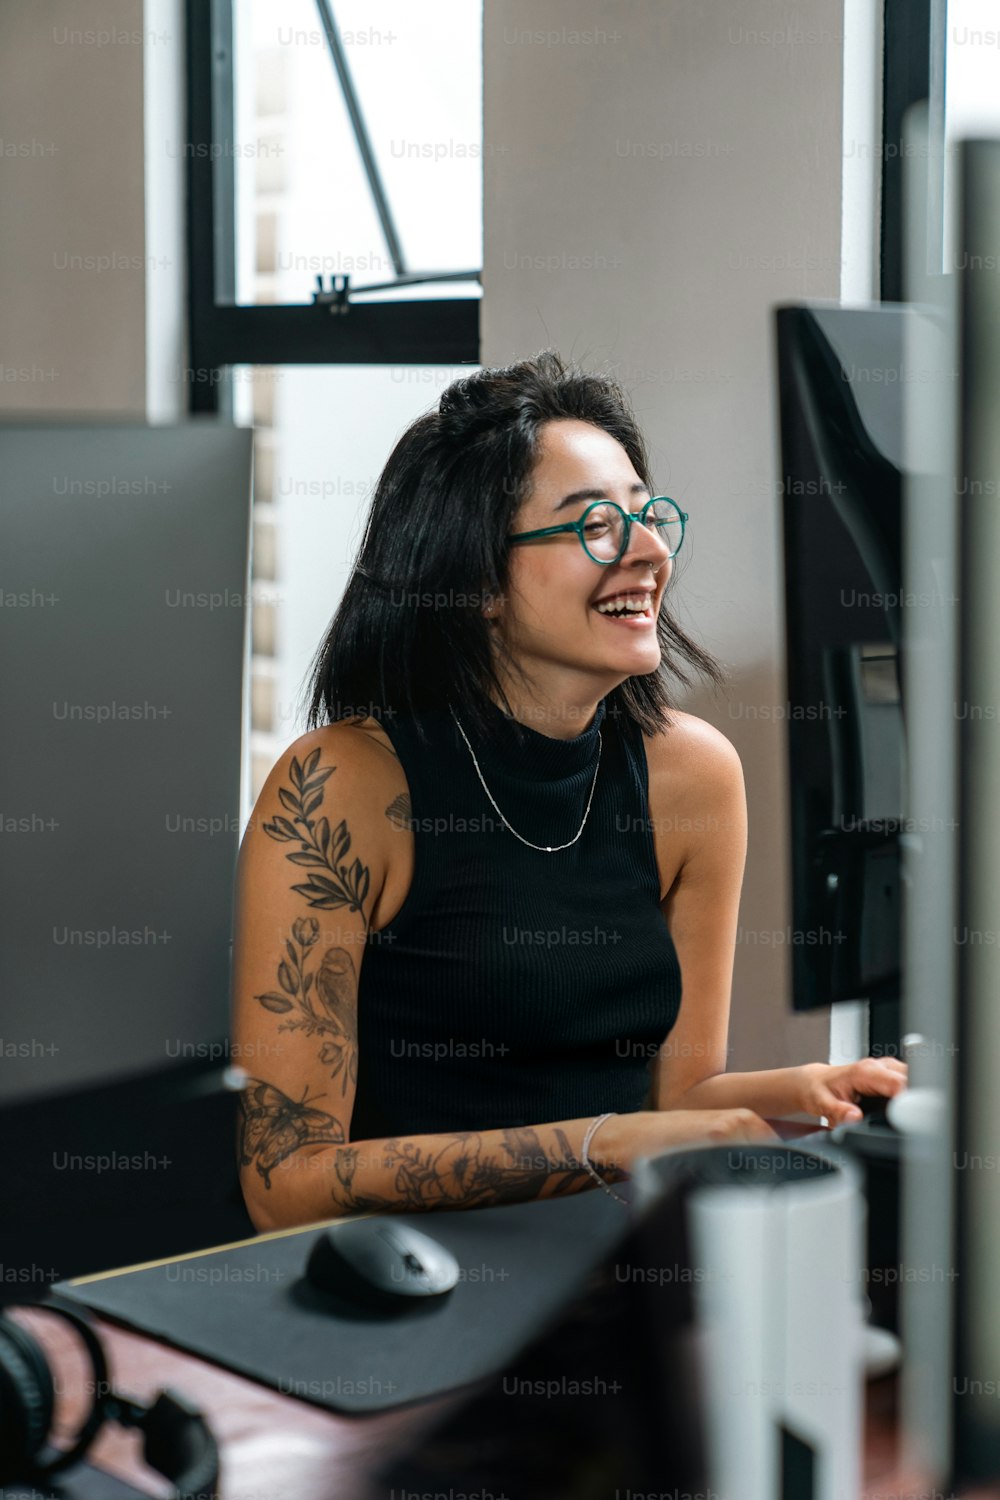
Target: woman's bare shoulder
<point>695,791</point>
<point>363,742</point>
<point>353,732</point>
<point>693,746</point>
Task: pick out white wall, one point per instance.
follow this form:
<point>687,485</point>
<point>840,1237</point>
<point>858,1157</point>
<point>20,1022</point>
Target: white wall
<point>73,269</point>
<point>168,375</point>
<point>660,174</point>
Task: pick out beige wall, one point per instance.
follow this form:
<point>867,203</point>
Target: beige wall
<point>72,272</point>
<point>693,153</point>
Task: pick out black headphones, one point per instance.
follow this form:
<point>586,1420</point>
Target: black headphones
<point>176,1440</point>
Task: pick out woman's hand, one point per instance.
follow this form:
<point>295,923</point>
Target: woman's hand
<point>622,1139</point>
<point>830,1089</point>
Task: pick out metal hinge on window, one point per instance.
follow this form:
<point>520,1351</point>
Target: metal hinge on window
<point>337,299</point>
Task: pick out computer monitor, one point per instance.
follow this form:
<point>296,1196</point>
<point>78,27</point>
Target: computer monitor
<point>125,552</point>
<point>951,1221</point>
<point>840,372</point>
<point>930,1279</point>
<point>975,1101</point>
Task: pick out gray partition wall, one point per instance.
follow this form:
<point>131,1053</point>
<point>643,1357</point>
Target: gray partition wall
<point>976,1410</point>
<point>124,577</point>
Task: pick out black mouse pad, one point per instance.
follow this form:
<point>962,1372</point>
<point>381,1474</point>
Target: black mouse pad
<point>249,1308</point>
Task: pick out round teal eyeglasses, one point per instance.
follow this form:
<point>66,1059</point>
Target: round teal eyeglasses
<point>604,528</point>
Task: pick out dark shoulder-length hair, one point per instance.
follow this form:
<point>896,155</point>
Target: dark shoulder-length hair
<point>409,634</point>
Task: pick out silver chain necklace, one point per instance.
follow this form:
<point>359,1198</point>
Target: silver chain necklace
<point>544,848</point>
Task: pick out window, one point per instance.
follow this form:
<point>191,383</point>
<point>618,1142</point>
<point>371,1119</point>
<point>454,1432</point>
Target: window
<point>944,51</point>
<point>336,142</point>
<point>358,151</point>
<point>321,436</point>
<point>971,96</point>
<point>334,147</point>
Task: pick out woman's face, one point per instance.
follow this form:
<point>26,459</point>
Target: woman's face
<point>548,613</point>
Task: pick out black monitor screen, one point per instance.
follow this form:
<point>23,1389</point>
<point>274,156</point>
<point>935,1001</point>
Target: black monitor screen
<point>841,375</point>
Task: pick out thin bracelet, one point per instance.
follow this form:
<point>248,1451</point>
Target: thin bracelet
<point>595,1125</point>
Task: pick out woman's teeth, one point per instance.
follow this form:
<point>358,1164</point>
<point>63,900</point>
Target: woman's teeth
<point>637,604</point>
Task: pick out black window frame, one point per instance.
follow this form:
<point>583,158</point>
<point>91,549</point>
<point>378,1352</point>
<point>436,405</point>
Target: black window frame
<point>431,331</point>
<point>914,36</point>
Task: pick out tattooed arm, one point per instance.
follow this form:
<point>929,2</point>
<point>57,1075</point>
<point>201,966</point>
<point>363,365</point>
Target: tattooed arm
<point>404,1174</point>
<point>312,869</point>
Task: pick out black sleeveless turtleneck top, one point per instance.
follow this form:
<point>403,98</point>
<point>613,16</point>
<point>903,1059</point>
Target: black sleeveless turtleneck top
<point>516,987</point>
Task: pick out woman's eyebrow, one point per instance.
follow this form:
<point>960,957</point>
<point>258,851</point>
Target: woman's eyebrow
<point>578,495</point>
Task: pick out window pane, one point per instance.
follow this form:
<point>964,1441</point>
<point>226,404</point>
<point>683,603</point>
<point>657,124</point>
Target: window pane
<point>972,95</point>
<point>303,203</point>
<point>322,434</point>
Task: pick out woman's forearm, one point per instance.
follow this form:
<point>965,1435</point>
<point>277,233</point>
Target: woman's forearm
<point>772,1092</point>
<point>405,1174</point>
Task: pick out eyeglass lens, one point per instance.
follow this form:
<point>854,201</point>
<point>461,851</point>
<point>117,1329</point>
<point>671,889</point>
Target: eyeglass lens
<point>604,529</point>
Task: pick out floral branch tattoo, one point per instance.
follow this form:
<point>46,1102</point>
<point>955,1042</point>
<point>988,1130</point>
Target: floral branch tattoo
<point>454,1170</point>
<point>336,984</point>
<point>320,1003</point>
<point>320,848</point>
<point>462,1172</point>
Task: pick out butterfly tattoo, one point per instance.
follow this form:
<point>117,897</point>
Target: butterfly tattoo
<point>273,1126</point>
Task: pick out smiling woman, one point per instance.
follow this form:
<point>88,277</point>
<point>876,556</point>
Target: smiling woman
<point>506,451</point>
<point>463,917</point>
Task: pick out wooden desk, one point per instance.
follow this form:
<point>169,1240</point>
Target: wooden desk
<point>274,1446</point>
<point>884,1478</point>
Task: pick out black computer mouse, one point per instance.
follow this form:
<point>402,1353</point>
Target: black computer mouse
<point>380,1263</point>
